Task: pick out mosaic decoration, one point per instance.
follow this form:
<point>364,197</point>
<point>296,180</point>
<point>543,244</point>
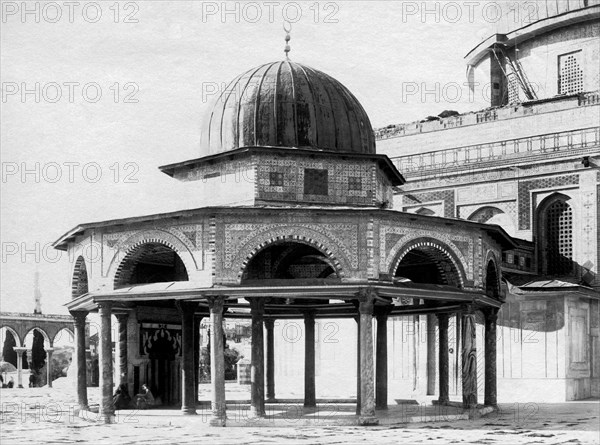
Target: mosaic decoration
<point>525,188</point>
<point>180,238</point>
<point>446,196</point>
<point>408,232</point>
<point>238,238</point>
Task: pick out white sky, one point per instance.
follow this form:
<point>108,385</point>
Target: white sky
<point>172,54</point>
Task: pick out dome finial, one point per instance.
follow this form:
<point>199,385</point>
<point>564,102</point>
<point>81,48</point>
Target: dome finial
<point>287,30</point>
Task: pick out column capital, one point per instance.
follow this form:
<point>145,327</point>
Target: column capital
<point>309,315</point>
<point>257,305</point>
<point>366,300</point>
<point>215,302</point>
<point>442,316</point>
<point>19,349</point>
<point>382,311</point>
<point>186,307</point>
<point>269,323</point>
<point>79,316</point>
<point>104,306</point>
<point>491,314</point>
<point>122,316</point>
<point>49,350</point>
<point>469,309</point>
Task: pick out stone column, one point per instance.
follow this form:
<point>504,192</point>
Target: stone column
<point>49,352</point>
<point>122,339</point>
<point>366,300</point>
<point>310,398</point>
<point>444,392</point>
<point>107,410</point>
<point>188,375</point>
<point>217,362</point>
<point>469,358</point>
<point>79,330</point>
<point>431,358</point>
<point>19,351</point>
<point>197,324</point>
<point>381,365</point>
<point>491,317</point>
<point>257,359</point>
<point>357,320</point>
<point>269,325</point>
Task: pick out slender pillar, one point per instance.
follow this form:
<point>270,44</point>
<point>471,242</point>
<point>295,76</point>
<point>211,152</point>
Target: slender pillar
<point>431,358</point>
<point>269,325</point>
<point>381,355</point>
<point>49,352</point>
<point>217,362</point>
<point>491,317</point>
<point>357,319</point>
<point>197,324</point>
<point>257,359</point>
<point>19,351</point>
<point>367,388</point>
<point>469,358</point>
<point>444,396</point>
<point>310,398</point>
<point>188,375</point>
<point>107,409</point>
<point>123,359</point>
<point>79,328</point>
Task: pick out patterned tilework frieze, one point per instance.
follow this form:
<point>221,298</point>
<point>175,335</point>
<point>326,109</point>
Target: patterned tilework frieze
<point>348,182</point>
<point>392,239</point>
<point>183,238</point>
<point>525,197</point>
<point>447,196</point>
<point>240,240</point>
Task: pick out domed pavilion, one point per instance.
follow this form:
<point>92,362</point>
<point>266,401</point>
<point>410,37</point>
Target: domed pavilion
<point>300,225</point>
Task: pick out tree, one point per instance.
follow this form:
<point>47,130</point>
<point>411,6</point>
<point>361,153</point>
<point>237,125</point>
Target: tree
<point>8,353</point>
<point>38,354</point>
<point>231,356</point>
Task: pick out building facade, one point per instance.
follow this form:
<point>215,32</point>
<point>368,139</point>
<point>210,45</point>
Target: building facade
<point>530,164</point>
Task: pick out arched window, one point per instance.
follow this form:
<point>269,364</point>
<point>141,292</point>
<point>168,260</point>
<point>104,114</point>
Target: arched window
<point>556,236</point>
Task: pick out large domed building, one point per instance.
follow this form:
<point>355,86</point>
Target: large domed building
<point>300,226</point>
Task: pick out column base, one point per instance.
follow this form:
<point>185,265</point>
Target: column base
<point>107,418</point>
<point>443,402</point>
<point>188,411</point>
<point>271,400</point>
<point>383,407</point>
<point>310,404</point>
<point>217,421</point>
<point>368,420</point>
<point>255,413</point>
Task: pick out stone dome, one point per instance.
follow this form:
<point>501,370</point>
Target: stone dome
<point>286,104</point>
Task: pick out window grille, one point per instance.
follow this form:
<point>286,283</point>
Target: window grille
<point>570,73</point>
<point>559,225</point>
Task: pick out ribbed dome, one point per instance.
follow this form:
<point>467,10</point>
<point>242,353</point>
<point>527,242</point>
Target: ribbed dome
<point>286,104</point>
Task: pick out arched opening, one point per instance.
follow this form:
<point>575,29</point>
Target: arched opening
<point>64,348</point>
<point>288,261</point>
<point>9,339</point>
<point>492,283</point>
<point>150,263</point>
<point>36,357</point>
<point>493,215</point>
<point>427,264</point>
<point>79,284</point>
<point>555,235</point>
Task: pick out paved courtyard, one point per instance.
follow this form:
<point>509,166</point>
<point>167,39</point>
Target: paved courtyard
<point>42,415</point>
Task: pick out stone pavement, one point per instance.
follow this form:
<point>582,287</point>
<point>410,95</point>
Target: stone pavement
<point>42,415</point>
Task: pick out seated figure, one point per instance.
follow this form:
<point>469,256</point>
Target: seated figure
<point>145,399</point>
<point>121,399</point>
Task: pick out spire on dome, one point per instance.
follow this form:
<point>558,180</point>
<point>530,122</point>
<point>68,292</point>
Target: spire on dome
<point>287,30</point>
